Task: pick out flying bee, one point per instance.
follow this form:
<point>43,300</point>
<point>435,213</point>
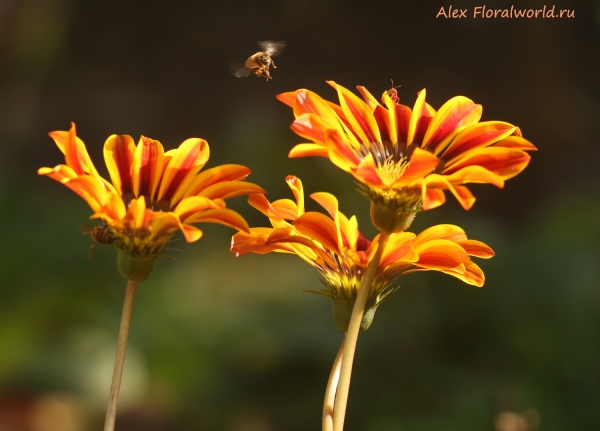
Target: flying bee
<point>393,93</point>
<point>101,234</point>
<point>260,62</point>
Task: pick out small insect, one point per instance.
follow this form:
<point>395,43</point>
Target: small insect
<point>260,62</point>
<point>101,234</point>
<point>393,93</point>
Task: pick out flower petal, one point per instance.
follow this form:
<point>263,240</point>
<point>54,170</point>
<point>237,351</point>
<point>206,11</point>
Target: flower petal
<point>307,150</point>
<point>449,232</point>
<point>215,175</point>
<point>181,169</point>
<point>76,155</point>
<point>475,136</point>
<point>230,189</point>
<point>456,112</point>
<point>476,248</point>
<point>296,185</point>
<point>194,204</point>
<point>320,228</point>
<point>223,216</point>
<point>118,156</point>
<point>421,164</point>
<point>504,162</point>
<point>358,115</point>
<point>420,118</point>
<point>147,167</point>
<point>399,249</point>
<point>440,254</point>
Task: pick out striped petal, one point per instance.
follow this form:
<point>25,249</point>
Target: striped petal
<point>399,249</point>
<point>194,204</point>
<point>320,228</point>
<point>215,175</point>
<point>181,169</point>
<point>504,162</point>
<point>476,248</point>
<point>456,112</point>
<point>516,143</point>
<point>440,254</point>
<point>223,216</point>
<point>358,115</point>
<point>476,136</point>
<point>230,189</point>
<point>147,167</point>
<point>118,156</point>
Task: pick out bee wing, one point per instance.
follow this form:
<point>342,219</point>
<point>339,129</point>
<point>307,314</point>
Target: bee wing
<point>243,72</point>
<point>271,47</point>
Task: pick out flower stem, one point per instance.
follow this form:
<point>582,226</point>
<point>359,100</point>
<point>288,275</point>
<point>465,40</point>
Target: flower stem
<point>334,377</point>
<point>115,387</point>
<point>341,399</point>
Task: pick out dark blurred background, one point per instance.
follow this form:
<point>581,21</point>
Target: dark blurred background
<point>219,343</point>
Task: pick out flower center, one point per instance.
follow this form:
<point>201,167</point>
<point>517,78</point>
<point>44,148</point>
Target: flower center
<point>389,171</point>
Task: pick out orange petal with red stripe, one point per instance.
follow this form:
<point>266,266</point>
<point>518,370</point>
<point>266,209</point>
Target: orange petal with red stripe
<point>320,228</point>
<point>476,136</point>
<point>148,162</point>
<point>118,156</point>
<point>358,115</point>
<point>456,112</point>
<point>181,169</point>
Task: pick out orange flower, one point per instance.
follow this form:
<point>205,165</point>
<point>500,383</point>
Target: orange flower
<point>153,194</point>
<point>408,157</point>
<point>336,248</point>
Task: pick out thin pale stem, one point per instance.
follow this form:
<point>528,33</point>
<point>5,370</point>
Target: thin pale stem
<point>334,377</point>
<point>341,399</point>
<point>115,386</point>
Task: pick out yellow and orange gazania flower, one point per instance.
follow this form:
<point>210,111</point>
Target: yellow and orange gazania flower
<point>153,193</point>
<point>336,248</point>
<point>408,157</point>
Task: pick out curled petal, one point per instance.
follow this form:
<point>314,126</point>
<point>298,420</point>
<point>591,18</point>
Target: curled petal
<point>476,248</point>
<point>307,150</point>
<point>76,155</point>
<point>296,185</point>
